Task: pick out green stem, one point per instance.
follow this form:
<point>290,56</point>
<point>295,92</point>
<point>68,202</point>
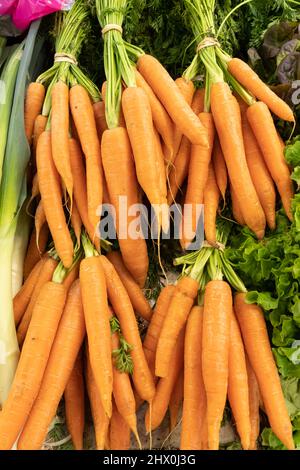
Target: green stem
<point>203,257</point>
<point>229,15</point>
<point>89,249</point>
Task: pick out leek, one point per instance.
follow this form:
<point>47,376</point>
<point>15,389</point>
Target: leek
<point>12,196</point>
<point>19,250</point>
<point>2,45</point>
<point>7,86</point>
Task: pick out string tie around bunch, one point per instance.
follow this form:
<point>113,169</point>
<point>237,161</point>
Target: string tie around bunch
<point>111,27</point>
<point>65,57</point>
<point>208,41</point>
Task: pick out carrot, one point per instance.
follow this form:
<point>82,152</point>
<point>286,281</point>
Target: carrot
<point>33,104</point>
<point>169,94</point>
<point>179,308</point>
<point>197,177</point>
<point>198,101</point>
<point>100,418</point>
<point>238,388</point>
<point>119,432</point>
<point>122,185</point>
<point>161,119</point>
<point>99,112</point>
<point>250,80</point>
<point>39,127</point>
<point>257,344</point>
<point>215,354</point>
<point>162,171</point>
<point>165,386</point>
<point>211,204</point>
<point>83,115</point>
<point>35,250</point>
<point>45,276</point>
<point>187,89</point>
<point>80,188</point>
<point>175,402</point>
<point>51,196</point>
<point>259,172</point>
<point>236,210</point>
<point>155,326</point>
<point>123,393</point>
<point>39,221</point>
<point>71,277</point>
<point>219,168</point>
<point>122,307</point>
<point>35,192</point>
<point>137,298</point>
<point>204,432</point>
<point>94,298</point>
<point>74,404</point>
<point>33,361</point>
<point>254,398</point>
<point>262,124</point>
<point>22,298</point>
<point>65,349</point>
<point>76,222</point>
<point>194,402</point>
<point>60,124</point>
<point>179,170</point>
<point>138,118</point>
<point>229,131</point>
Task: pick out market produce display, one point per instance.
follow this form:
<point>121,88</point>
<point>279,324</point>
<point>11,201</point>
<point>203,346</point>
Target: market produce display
<point>116,314</point>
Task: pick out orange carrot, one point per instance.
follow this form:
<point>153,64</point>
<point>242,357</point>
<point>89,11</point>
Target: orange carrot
<point>258,348</point>
<point>80,188</point>
<point>223,103</point>
<point>51,196</point>
<point>179,308</point>
<point>94,298</point>
<point>179,170</point>
<point>176,400</point>
<point>215,354</point>
<point>123,393</point>
<point>39,127</point>
<point>22,298</point>
<point>60,124</point>
<point>251,81</point>
<point>254,398</point>
<point>65,349</point>
<point>76,222</point>
<point>138,118</point>
<point>265,132</point>
<point>83,115</point>
<point>259,172</point>
<point>40,224</point>
<point>137,298</point>
<point>71,277</point>
<point>236,210</point>
<point>100,418</point>
<point>36,248</point>
<point>211,204</point>
<point>122,307</point>
<point>119,432</point>
<point>194,402</point>
<point>33,104</point>
<point>238,388</point>
<point>74,404</point>
<point>187,90</point>
<point>197,177</point>
<point>169,94</point>
<point>33,361</point>
<point>99,112</point>
<point>165,386</point>
<point>45,276</point>
<point>122,186</point>
<point>161,119</point>
<point>220,168</point>
<point>155,326</point>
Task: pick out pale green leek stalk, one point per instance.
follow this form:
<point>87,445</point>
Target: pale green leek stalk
<point>7,86</point>
<point>12,196</point>
<point>19,250</point>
